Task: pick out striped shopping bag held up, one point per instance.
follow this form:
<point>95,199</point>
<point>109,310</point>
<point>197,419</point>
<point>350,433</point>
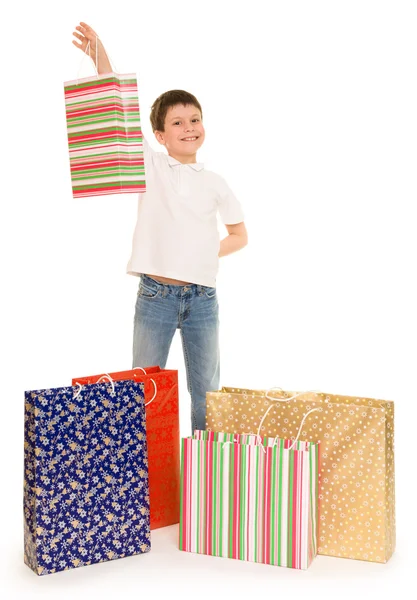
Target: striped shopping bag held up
<point>104,134</point>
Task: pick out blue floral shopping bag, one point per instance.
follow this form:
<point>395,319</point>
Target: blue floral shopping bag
<point>86,492</point>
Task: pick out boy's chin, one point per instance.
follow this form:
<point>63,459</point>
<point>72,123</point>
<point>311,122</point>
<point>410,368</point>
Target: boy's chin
<point>192,149</point>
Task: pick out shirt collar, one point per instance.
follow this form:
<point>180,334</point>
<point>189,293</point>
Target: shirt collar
<point>196,166</point>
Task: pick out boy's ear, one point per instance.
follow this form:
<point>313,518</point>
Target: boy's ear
<point>160,137</point>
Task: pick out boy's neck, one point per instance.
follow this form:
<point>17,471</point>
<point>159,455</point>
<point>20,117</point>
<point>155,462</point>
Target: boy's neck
<point>185,160</point>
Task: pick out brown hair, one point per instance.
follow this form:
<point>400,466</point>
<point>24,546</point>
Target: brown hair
<point>167,100</point>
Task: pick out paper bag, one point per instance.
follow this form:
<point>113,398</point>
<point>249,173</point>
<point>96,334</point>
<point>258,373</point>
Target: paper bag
<point>104,135</point>
<point>248,501</point>
<point>356,496</point>
<point>86,492</point>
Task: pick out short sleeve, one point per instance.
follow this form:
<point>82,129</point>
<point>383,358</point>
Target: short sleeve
<point>229,206</point>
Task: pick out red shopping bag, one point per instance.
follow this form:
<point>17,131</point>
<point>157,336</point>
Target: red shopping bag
<point>163,437</point>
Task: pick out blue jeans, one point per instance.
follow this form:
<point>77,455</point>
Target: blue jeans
<point>193,309</point>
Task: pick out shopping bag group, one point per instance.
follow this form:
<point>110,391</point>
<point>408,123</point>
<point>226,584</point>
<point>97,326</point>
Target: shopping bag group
<point>277,477</point>
<point>356,495</point>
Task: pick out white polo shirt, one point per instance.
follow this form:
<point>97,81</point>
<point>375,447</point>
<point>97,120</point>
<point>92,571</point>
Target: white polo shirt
<point>176,234</point>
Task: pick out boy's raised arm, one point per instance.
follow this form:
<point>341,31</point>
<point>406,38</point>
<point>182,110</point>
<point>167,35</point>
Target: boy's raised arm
<point>86,34</point>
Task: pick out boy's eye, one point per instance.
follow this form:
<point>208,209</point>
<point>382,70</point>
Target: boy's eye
<point>194,121</point>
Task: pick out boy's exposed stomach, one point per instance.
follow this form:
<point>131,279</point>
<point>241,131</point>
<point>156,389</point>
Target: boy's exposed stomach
<point>167,280</point>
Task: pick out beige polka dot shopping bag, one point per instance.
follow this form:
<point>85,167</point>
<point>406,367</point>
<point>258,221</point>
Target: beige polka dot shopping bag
<point>356,489</point>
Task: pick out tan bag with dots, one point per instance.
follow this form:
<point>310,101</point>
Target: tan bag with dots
<point>356,490</point>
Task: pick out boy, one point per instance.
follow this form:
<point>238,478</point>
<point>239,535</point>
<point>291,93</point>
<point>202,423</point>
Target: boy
<point>176,243</point>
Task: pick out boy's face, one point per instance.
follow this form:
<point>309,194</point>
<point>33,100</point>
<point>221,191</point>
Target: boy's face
<point>184,132</point>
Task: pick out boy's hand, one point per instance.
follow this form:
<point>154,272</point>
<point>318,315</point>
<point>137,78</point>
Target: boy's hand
<point>86,34</point>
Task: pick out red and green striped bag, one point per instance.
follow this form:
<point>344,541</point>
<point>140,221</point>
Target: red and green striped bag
<point>104,135</point>
<point>249,498</point>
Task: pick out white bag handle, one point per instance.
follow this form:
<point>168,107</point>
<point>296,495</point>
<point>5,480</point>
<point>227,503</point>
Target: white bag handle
<point>88,48</point>
<point>105,376</point>
<point>154,384</point>
<point>273,399</point>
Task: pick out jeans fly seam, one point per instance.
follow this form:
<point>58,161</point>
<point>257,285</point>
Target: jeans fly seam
<point>179,313</point>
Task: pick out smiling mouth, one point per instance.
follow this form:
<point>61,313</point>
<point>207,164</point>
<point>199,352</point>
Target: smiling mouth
<point>190,139</point>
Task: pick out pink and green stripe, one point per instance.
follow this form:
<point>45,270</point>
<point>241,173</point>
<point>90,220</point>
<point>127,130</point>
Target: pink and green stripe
<point>104,135</point>
<point>242,501</point>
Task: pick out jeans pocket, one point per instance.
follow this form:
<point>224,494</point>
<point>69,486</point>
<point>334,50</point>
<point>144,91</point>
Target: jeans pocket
<point>210,292</point>
<point>147,292</point>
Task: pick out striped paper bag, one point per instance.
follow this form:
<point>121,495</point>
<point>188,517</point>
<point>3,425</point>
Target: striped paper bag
<point>104,135</point>
<point>249,500</point>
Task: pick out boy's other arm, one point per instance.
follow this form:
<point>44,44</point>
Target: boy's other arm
<point>237,239</point>
<point>86,34</point>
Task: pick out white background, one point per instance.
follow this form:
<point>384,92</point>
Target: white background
<point>310,114</point>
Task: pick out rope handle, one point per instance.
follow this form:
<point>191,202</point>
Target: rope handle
<point>95,63</point>
<point>273,399</point>
<point>154,385</point>
<point>105,376</point>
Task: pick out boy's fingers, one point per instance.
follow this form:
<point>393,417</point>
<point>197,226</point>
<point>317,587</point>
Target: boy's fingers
<point>87,27</point>
<point>89,35</point>
<point>86,34</point>
<point>83,30</point>
<point>80,46</point>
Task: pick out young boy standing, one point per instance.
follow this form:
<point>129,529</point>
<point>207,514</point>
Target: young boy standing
<point>176,243</point>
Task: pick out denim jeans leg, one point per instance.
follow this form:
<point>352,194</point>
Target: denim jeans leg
<point>200,340</point>
<point>156,319</point>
